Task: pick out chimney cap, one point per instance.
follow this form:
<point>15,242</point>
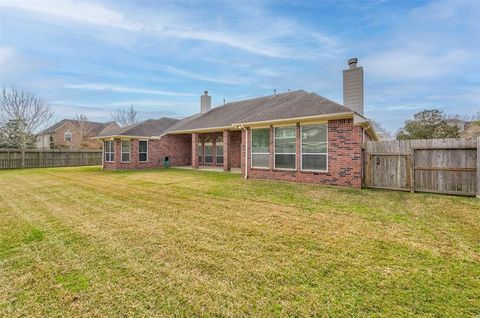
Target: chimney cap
<point>205,92</point>
<point>353,60</point>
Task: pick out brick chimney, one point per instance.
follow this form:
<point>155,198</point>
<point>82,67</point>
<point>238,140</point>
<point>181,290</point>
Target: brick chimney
<point>353,86</point>
<point>205,102</point>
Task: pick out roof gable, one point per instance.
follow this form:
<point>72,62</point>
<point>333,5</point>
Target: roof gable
<point>94,128</point>
<point>147,128</point>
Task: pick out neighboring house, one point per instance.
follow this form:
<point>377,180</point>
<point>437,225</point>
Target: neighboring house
<point>467,129</point>
<point>294,136</point>
<point>471,130</point>
<point>73,134</point>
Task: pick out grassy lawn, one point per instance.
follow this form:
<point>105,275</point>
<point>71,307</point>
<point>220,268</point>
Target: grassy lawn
<point>86,242</point>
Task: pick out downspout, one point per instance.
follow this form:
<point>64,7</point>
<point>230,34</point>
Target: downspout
<point>246,151</point>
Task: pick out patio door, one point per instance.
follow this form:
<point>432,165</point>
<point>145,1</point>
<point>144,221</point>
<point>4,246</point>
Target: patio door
<point>208,151</point>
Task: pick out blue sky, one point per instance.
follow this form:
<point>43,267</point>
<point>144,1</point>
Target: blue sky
<point>96,57</point>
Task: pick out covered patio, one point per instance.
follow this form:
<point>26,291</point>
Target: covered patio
<point>217,150</point>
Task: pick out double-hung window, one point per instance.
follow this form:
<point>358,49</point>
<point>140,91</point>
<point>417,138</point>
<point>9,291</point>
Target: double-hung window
<point>314,147</point>
<point>219,150</point>
<point>142,150</point>
<point>285,148</point>
<point>67,136</point>
<point>260,148</point>
<point>208,149</point>
<point>125,150</point>
<point>109,152</point>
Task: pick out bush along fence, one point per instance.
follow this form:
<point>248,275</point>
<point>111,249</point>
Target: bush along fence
<point>449,166</point>
<point>35,158</point>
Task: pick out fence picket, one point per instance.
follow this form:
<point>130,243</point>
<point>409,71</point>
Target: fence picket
<point>428,165</point>
<point>35,158</point>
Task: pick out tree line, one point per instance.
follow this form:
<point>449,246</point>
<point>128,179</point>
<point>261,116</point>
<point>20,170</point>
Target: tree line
<point>23,114</point>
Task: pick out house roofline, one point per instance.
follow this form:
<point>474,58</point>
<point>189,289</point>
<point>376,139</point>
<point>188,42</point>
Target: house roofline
<point>199,130</point>
<point>124,137</point>
<point>275,121</point>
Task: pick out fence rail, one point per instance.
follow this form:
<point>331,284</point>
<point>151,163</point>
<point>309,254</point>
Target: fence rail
<point>450,166</point>
<point>35,158</point>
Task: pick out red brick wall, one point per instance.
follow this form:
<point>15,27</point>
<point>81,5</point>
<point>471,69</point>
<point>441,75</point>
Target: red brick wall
<point>344,158</point>
<point>176,147</point>
<point>234,148</point>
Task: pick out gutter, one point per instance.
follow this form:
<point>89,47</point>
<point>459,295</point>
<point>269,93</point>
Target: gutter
<point>328,116</point>
<point>124,137</point>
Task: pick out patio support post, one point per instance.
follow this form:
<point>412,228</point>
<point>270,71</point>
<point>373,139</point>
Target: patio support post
<point>195,150</point>
<point>226,146</point>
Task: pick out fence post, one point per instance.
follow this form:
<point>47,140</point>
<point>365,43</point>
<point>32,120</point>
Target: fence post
<point>412,170</point>
<point>368,170</point>
<point>478,167</point>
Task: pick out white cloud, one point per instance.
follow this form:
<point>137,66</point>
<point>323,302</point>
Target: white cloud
<point>71,10</point>
<point>229,79</point>
<point>123,89</point>
<point>411,63</point>
<point>263,40</point>
<point>154,103</point>
<point>6,53</point>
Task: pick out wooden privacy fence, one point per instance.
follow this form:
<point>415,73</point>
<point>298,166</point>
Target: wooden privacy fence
<point>35,158</point>
<point>448,166</point>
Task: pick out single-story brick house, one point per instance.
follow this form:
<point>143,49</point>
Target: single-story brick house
<point>294,136</point>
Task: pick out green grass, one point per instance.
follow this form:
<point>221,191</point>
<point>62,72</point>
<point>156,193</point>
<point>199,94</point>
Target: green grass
<point>86,242</point>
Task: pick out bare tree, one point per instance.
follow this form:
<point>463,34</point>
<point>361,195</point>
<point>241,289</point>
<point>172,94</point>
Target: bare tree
<point>84,127</point>
<point>125,117</point>
<point>382,133</point>
<point>27,112</point>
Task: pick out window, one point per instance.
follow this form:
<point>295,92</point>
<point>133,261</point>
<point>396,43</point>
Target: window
<point>207,148</point>
<point>109,153</point>
<point>125,150</point>
<point>285,147</point>
<point>260,148</point>
<point>200,152</point>
<point>142,150</point>
<point>67,136</point>
<point>219,150</point>
<point>314,147</point>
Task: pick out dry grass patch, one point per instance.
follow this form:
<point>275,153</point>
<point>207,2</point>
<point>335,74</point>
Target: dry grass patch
<point>86,242</point>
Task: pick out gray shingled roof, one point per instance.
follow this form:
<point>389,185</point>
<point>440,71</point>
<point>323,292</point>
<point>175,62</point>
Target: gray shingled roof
<point>281,106</point>
<point>94,127</point>
<point>147,128</point>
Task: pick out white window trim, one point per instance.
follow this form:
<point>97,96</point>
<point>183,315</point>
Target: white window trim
<point>142,152</point>
<point>204,155</point>
<point>129,150</point>
<point>274,153</point>
<point>65,136</point>
<point>200,154</point>
<point>259,153</point>
<point>113,150</point>
<point>319,153</point>
<point>216,153</point>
